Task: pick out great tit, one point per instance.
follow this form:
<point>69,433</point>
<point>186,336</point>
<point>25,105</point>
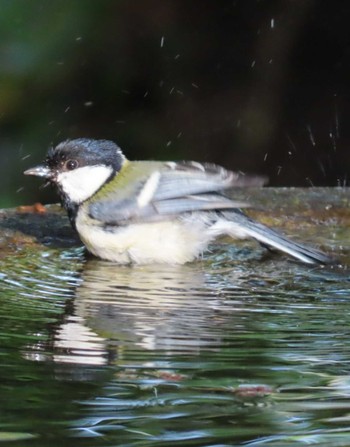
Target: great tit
<point>153,212</point>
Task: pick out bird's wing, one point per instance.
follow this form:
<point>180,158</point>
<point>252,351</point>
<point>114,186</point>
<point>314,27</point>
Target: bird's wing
<point>147,191</point>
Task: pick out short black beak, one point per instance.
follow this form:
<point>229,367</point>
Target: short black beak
<point>39,171</point>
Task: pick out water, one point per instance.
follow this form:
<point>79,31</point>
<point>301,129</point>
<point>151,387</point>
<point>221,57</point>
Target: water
<point>215,353</point>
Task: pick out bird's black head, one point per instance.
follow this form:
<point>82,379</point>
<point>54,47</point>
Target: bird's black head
<point>79,168</point>
<point>72,154</point>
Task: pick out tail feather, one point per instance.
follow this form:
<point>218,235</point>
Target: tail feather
<point>272,238</point>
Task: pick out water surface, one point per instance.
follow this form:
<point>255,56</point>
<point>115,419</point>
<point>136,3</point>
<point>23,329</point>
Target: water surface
<point>242,347</point>
<point>239,348</point>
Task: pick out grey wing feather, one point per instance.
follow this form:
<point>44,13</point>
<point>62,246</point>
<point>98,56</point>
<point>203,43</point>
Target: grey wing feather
<point>115,212</point>
<point>127,210</point>
<point>196,203</point>
<point>196,178</point>
<point>178,188</point>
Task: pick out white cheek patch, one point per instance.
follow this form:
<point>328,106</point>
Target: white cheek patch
<point>82,183</point>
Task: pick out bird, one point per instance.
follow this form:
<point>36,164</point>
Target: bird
<point>143,212</point>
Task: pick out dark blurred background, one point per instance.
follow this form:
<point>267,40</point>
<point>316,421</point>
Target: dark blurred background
<point>259,86</point>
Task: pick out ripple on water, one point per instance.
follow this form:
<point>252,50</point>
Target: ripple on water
<point>216,352</point>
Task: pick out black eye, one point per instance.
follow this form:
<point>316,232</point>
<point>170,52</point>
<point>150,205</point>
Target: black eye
<point>71,164</point>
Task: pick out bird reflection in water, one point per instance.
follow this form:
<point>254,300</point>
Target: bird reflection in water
<point>153,307</point>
